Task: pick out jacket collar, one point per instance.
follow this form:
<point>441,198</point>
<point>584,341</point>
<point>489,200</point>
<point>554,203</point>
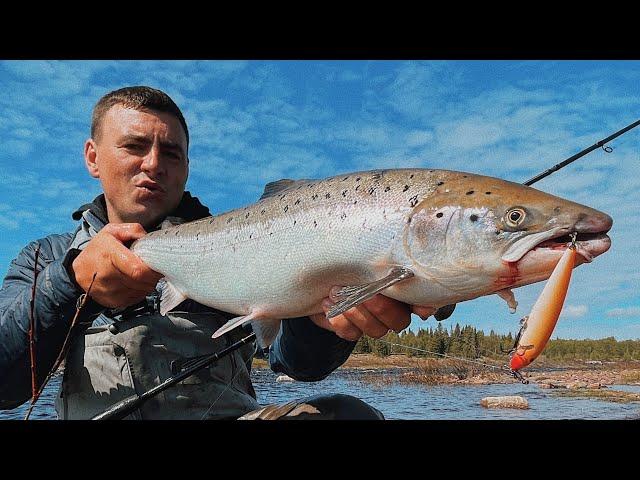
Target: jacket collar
<point>95,213</point>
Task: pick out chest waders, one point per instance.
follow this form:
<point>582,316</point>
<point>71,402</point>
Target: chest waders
<point>112,362</point>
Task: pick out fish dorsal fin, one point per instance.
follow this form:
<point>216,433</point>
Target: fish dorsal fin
<point>273,188</point>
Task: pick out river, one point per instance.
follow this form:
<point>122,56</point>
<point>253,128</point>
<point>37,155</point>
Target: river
<point>409,402</point>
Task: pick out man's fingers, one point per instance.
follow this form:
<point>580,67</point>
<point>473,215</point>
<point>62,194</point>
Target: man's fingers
<point>124,232</point>
<point>424,312</point>
<point>366,322</point>
<point>395,315</point>
<point>134,270</point>
<point>340,325</point>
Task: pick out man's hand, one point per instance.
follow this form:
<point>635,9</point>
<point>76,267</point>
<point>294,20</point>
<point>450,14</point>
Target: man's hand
<point>373,318</point>
<point>122,278</point>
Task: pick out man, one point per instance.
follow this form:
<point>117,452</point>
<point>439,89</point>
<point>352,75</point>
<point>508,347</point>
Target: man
<point>138,150</point>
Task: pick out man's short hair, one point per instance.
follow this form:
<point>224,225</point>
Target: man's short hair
<point>138,98</point>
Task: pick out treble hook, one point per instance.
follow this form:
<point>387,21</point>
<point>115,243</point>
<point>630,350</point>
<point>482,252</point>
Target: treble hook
<point>573,236</point>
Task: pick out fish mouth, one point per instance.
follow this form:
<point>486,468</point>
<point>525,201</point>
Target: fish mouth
<point>588,245</point>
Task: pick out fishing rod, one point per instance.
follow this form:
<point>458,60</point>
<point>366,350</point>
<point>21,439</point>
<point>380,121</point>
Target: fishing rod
<point>582,153</point>
<point>128,405</point>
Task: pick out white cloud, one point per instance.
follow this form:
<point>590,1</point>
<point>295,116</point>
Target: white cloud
<point>624,312</point>
<point>574,311</point>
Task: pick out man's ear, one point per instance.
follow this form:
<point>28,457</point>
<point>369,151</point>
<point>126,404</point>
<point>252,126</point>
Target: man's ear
<point>90,155</point>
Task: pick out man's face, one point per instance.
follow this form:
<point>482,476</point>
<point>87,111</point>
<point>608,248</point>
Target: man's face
<point>141,160</point>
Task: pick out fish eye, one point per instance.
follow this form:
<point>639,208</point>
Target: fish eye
<point>515,216</point>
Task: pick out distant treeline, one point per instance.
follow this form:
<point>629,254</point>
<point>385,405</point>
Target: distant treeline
<point>468,342</point>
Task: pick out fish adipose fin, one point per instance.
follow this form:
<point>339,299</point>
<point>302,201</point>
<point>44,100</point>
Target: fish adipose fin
<point>349,297</point>
<point>170,298</point>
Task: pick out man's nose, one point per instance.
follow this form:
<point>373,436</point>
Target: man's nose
<point>151,161</point>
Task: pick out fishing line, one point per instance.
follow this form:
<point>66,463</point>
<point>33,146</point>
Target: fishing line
<point>246,362</point>
<point>508,370</point>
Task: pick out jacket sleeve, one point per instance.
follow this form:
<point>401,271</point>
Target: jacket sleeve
<point>306,352</point>
<point>54,307</point>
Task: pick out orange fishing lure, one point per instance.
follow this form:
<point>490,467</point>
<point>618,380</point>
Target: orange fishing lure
<point>540,323</point>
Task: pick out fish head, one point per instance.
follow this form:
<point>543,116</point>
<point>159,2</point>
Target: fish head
<point>476,235</point>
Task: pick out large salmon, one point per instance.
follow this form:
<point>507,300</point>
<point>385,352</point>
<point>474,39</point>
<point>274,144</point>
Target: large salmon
<point>425,237</point>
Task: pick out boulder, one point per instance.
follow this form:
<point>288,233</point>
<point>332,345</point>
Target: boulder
<point>514,401</point>
<point>284,378</point>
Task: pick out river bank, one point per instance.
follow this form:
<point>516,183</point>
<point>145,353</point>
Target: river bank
<point>419,370</point>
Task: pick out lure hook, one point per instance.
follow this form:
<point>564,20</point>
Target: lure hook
<point>573,236</point>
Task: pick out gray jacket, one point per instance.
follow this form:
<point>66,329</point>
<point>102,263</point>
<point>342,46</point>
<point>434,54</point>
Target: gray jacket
<point>302,350</point>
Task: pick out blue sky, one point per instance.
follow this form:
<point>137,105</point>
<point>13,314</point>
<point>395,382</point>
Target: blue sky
<point>252,122</point>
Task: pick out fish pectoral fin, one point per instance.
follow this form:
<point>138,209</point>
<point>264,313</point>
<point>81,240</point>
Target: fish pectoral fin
<point>170,298</point>
<point>350,296</point>
<point>444,312</point>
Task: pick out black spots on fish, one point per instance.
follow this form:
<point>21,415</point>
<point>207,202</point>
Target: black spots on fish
<point>286,207</point>
<point>327,195</point>
<point>357,187</point>
<point>229,220</point>
<point>498,232</point>
<point>250,235</point>
<point>371,190</point>
<point>487,193</point>
<point>315,224</point>
<point>470,192</point>
<point>464,176</point>
<point>387,188</point>
<point>413,201</point>
<point>377,176</point>
<point>406,187</point>
<point>344,193</point>
<point>210,221</point>
<point>473,218</point>
<point>295,221</point>
<point>262,211</point>
<point>177,232</point>
<point>440,183</point>
<point>314,196</point>
<point>410,176</point>
<point>309,185</point>
<point>355,201</point>
<point>343,216</point>
<point>556,210</point>
<point>282,196</point>
<point>345,178</point>
<point>357,179</point>
<point>167,231</point>
<point>439,214</point>
<point>299,187</point>
<point>246,215</point>
<point>270,233</point>
<point>197,235</point>
<point>297,202</point>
